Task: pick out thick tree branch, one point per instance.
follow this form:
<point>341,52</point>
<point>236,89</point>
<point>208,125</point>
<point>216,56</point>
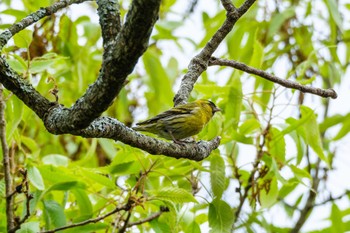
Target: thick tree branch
<point>130,44</point>
<point>119,60</point>
<point>33,18</point>
<point>6,163</point>
<point>200,62</point>
<point>102,127</point>
<point>106,127</point>
<point>283,82</point>
<point>23,90</point>
<point>109,13</point>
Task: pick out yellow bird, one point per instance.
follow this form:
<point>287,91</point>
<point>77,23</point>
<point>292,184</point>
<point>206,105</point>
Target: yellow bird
<point>181,121</point>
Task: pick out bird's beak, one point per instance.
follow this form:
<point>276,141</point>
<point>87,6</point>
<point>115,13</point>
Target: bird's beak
<point>216,109</point>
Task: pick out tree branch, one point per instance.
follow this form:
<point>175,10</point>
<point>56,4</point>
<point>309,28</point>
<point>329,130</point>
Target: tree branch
<point>109,13</point>
<point>119,61</point>
<point>125,207</point>
<point>149,218</point>
<point>310,202</point>
<point>6,163</point>
<point>250,184</point>
<point>106,127</point>
<point>316,179</point>
<point>283,82</point>
<point>23,188</point>
<point>102,127</point>
<point>23,90</point>
<point>200,62</point>
<point>331,198</point>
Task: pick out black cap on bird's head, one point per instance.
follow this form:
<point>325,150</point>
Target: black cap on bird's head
<point>214,107</point>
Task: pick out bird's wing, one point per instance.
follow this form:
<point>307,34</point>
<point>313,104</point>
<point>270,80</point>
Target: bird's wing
<point>176,111</point>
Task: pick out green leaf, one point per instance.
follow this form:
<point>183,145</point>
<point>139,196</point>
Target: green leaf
<point>269,197</point>
<point>249,126</point>
<point>124,168</point>
<point>332,121</point>
<point>17,65</point>
<point>335,14</point>
<point>84,204</point>
<point>23,38</point>
<point>337,220</point>
<point>58,174</point>
<point>56,160</point>
<point>302,68</point>
<point>257,57</point>
<point>16,13</point>
<point>217,175</point>
<point>40,64</point>
<point>345,129</point>
<point>303,36</point>
<point>108,146</point>
<point>241,138</point>
<point>67,185</point>
<point>220,216</point>
<point>35,178</point>
<point>15,110</point>
<point>278,20</point>
<point>29,227</point>
<point>2,187</point>
<point>55,213</point>
<point>92,32</point>
<point>165,30</point>
<point>276,145</point>
<point>35,5</point>
<point>233,107</point>
<point>160,227</point>
<point>172,194</point>
<point>193,228</point>
<point>300,146</point>
<point>312,134</point>
<point>97,178</point>
<point>274,168</point>
<point>300,173</point>
<point>30,144</point>
<point>158,81</point>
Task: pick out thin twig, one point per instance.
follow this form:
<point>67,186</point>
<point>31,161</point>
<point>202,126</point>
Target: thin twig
<point>150,218</point>
<point>243,197</point>
<point>310,201</point>
<point>6,162</point>
<point>316,178</point>
<point>123,228</point>
<point>125,207</point>
<point>99,96</point>
<point>252,179</point>
<point>200,62</point>
<point>288,205</point>
<point>331,199</point>
<point>23,188</point>
<point>283,82</point>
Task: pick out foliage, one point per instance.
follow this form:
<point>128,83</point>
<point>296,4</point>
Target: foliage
<point>278,145</point>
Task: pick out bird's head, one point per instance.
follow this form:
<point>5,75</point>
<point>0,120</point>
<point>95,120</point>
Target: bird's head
<point>209,106</point>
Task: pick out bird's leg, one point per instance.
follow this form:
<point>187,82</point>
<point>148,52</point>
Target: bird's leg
<point>174,139</point>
